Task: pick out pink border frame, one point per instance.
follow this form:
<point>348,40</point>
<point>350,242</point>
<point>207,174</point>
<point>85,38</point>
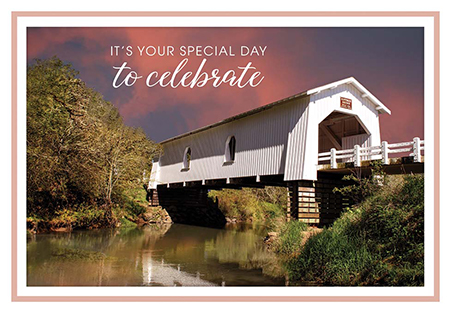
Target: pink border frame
<point>15,297</point>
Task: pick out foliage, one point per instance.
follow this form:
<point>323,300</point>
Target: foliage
<point>125,223</point>
<point>252,204</point>
<point>270,211</point>
<point>379,242</point>
<point>135,202</point>
<point>290,237</point>
<point>363,187</point>
<point>79,152</point>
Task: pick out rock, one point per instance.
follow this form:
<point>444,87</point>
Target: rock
<point>148,216</point>
<point>141,222</point>
<point>62,229</point>
<point>270,238</point>
<point>154,215</point>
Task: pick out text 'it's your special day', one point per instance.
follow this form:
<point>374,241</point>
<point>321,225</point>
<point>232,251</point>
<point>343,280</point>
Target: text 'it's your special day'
<point>240,76</point>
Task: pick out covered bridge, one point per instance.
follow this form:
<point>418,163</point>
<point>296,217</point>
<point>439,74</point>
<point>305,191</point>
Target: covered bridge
<point>276,144</point>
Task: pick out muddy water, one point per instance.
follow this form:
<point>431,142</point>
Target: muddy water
<point>157,255</point>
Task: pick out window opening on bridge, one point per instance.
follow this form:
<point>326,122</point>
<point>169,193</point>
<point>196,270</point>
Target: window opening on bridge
<point>230,149</point>
<point>187,159</point>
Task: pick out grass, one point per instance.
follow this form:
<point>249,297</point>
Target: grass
<point>125,223</point>
<point>135,203</point>
<point>290,238</point>
<point>378,242</point>
<point>329,258</point>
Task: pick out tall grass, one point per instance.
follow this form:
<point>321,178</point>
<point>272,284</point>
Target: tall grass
<point>378,242</point>
<point>290,237</point>
<point>330,258</point>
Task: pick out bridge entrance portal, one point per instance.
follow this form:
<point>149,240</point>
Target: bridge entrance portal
<point>341,132</point>
<point>314,202</point>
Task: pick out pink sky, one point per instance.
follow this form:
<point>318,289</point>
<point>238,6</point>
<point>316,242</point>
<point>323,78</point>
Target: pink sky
<point>387,61</point>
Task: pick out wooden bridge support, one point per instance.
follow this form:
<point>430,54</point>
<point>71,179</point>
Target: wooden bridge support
<point>314,202</point>
<point>153,199</point>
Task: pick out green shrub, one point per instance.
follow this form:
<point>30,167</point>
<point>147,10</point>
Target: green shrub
<point>82,216</point>
<point>134,209</point>
<point>363,187</point>
<point>134,202</point>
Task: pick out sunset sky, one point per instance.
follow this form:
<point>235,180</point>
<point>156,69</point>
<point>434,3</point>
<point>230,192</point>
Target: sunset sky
<point>387,61</point>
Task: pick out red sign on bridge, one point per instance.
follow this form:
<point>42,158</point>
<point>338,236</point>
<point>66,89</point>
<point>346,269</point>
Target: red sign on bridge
<point>346,103</point>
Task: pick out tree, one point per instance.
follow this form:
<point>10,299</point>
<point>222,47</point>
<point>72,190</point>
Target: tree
<point>78,148</point>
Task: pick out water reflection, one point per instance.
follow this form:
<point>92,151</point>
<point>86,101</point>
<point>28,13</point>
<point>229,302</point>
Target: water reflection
<point>157,255</point>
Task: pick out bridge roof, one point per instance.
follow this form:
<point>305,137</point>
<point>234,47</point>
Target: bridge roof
<point>351,80</point>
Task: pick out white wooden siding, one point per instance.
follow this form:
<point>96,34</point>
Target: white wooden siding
<point>279,140</point>
<point>261,142</point>
<point>322,105</point>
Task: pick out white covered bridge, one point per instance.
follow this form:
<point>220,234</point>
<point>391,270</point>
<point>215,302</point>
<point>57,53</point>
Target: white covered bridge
<point>305,142</point>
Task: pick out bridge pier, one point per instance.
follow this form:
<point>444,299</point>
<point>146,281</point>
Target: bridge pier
<point>314,202</point>
<point>152,197</point>
<point>188,205</point>
<point>292,201</point>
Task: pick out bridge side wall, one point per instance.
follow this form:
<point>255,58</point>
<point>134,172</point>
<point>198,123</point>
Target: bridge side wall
<point>261,147</point>
<point>280,140</point>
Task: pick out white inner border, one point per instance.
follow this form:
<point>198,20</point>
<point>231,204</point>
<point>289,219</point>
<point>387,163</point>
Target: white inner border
<point>426,22</point>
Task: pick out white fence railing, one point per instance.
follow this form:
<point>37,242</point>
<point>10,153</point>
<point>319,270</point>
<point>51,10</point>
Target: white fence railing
<point>385,149</point>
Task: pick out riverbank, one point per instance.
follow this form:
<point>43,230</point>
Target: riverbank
<point>132,212</point>
<point>260,206</point>
<point>91,218</point>
<point>379,242</point>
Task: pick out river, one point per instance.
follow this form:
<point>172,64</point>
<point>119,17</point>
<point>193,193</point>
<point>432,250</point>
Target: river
<point>154,255</point>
